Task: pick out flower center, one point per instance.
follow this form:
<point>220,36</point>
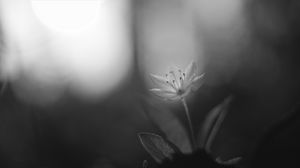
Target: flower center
<point>175,80</point>
<point>180,91</point>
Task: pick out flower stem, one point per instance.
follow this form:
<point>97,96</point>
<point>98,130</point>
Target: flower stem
<point>192,135</point>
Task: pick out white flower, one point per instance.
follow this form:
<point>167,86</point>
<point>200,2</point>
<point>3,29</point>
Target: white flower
<point>177,84</point>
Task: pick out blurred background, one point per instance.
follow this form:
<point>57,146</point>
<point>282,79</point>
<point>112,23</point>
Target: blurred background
<point>74,76</point>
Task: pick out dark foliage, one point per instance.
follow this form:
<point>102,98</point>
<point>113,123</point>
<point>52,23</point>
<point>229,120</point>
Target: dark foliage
<point>198,159</point>
<point>280,147</point>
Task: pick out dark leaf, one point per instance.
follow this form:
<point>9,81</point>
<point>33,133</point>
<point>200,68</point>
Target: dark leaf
<point>212,123</point>
<point>145,164</point>
<point>232,161</point>
<point>156,146</point>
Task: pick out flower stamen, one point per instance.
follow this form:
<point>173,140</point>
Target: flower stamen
<point>175,84</point>
<point>175,80</point>
<point>172,85</point>
<point>181,81</point>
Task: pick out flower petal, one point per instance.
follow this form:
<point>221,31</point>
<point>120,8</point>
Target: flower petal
<point>195,83</point>
<point>166,94</point>
<point>174,98</point>
<point>190,70</point>
<point>187,91</point>
<point>197,78</point>
<point>161,82</point>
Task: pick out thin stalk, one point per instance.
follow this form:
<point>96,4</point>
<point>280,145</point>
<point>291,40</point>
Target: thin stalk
<point>191,129</point>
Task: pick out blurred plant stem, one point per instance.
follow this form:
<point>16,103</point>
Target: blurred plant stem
<point>190,125</point>
<point>3,87</point>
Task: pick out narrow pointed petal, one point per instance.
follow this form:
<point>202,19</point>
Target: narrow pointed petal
<point>174,98</point>
<point>197,78</point>
<point>161,82</point>
<point>156,146</point>
<point>166,94</point>
<point>194,83</point>
<point>190,70</point>
<point>163,92</point>
<point>197,82</point>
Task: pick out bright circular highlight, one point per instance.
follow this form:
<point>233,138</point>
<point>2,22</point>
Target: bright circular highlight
<point>66,15</point>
